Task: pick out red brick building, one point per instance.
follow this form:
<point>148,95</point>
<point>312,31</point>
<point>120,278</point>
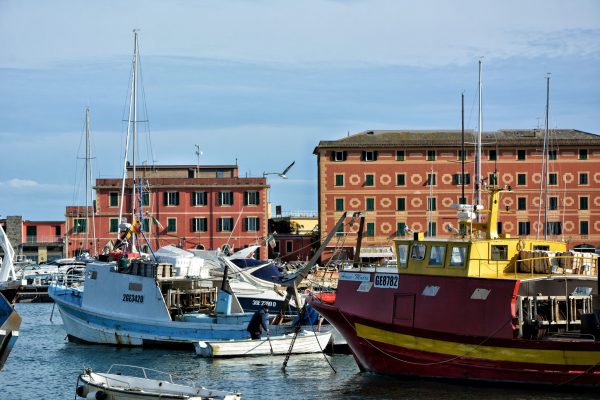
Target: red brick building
<point>408,180</point>
<point>205,207</point>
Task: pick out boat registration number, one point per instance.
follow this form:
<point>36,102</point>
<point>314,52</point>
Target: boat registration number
<point>133,298</point>
<point>386,281</point>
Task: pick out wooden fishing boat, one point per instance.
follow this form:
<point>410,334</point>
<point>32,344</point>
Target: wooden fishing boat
<point>304,342</point>
<point>113,385</point>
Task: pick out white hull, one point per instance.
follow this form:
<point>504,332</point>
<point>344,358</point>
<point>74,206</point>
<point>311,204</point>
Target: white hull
<point>305,342</point>
<point>92,385</point>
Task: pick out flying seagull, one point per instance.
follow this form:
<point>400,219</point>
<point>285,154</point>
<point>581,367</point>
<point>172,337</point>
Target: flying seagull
<point>281,174</point>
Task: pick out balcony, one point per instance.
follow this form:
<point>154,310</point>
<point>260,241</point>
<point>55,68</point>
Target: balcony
<point>43,239</point>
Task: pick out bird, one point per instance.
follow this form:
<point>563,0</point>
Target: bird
<point>281,174</point>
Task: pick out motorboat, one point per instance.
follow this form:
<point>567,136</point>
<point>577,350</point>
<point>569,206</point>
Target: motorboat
<point>10,323</point>
<point>142,383</point>
<point>293,343</point>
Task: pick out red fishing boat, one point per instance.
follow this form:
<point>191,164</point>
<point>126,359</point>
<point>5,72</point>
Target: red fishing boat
<point>481,306</point>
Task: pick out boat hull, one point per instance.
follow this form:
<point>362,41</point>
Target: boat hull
<point>10,323</point>
<point>426,336</point>
<point>305,342</point>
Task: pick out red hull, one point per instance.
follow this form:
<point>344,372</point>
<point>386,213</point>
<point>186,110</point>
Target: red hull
<point>386,336</point>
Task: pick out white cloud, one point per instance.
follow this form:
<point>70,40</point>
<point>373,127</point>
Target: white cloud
<point>424,33</point>
<point>28,185</point>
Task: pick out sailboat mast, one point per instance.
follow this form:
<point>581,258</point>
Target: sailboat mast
<point>478,160</point>
<point>134,123</point>
<point>544,177</point>
<point>462,149</point>
<point>87,175</point>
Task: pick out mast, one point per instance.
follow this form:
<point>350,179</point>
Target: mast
<point>131,131</point>
<point>462,149</point>
<point>544,177</point>
<point>478,157</point>
<point>87,174</point>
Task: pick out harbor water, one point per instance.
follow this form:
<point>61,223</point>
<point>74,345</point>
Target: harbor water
<point>44,365</point>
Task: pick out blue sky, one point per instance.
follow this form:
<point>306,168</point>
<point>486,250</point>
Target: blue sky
<point>262,82</point>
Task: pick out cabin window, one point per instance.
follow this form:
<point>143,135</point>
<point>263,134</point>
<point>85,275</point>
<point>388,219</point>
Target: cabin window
<point>436,256</point>
<point>418,251</point>
<point>402,255</point>
<point>457,256</point>
<point>499,252</point>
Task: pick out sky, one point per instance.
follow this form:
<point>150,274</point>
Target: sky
<point>259,83</point>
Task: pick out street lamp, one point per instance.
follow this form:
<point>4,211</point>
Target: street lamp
<point>281,174</point>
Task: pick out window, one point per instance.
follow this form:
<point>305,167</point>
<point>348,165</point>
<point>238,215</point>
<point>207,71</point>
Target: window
<point>171,198</point>
<point>431,204</point>
<point>499,252</point>
<point>340,230</point>
<point>492,155</point>
<point>370,229</point>
<point>457,179</point>
<point>583,227</point>
<point>145,199</point>
<point>251,224</point>
<point>79,225</point>
<point>402,254</point>
<point>401,228</point>
<point>432,229</point>
<point>524,228</point>
<point>457,256</point>
<point>552,155</point>
<point>369,180</point>
<point>499,227</point>
<point>521,203</point>
<point>521,179</point>
<point>430,155</point>
<point>583,203</point>
<point>400,203</point>
<point>339,155</point>
<point>171,224</point>
<point>553,228</point>
<point>289,246</point>
<point>462,200</point>
<point>369,156</point>
<point>199,199</point>
<point>436,256</point>
<point>251,198</point>
<point>114,225</point>
<point>583,178</point>
<point>418,251</point>
<point>339,180</point>
<point>461,156</point>
<point>430,179</point>
<point>521,155</point>
<point>370,204</point>
<point>339,204</point>
<point>225,198</point>
<point>145,225</point>
<point>399,155</point>
<point>583,154</point>
<point>113,199</point>
<point>199,224</point>
<point>493,179</point>
<point>553,203</point>
<point>224,224</point>
<point>400,180</point>
<point>553,179</point>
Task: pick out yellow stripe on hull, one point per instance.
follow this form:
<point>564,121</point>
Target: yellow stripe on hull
<point>455,349</point>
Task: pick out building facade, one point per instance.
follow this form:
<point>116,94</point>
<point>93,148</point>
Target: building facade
<point>405,181</point>
<point>202,207</point>
<point>38,241</point>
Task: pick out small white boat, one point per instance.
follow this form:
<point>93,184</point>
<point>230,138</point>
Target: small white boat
<point>304,342</point>
<point>113,385</point>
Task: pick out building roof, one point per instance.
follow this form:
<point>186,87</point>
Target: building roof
<point>452,138</point>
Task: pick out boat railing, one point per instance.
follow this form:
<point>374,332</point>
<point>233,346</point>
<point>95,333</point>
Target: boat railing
<point>74,277</point>
<point>144,372</point>
<point>147,373</point>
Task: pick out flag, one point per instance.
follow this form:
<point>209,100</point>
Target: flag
<point>156,222</point>
<point>271,241</point>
